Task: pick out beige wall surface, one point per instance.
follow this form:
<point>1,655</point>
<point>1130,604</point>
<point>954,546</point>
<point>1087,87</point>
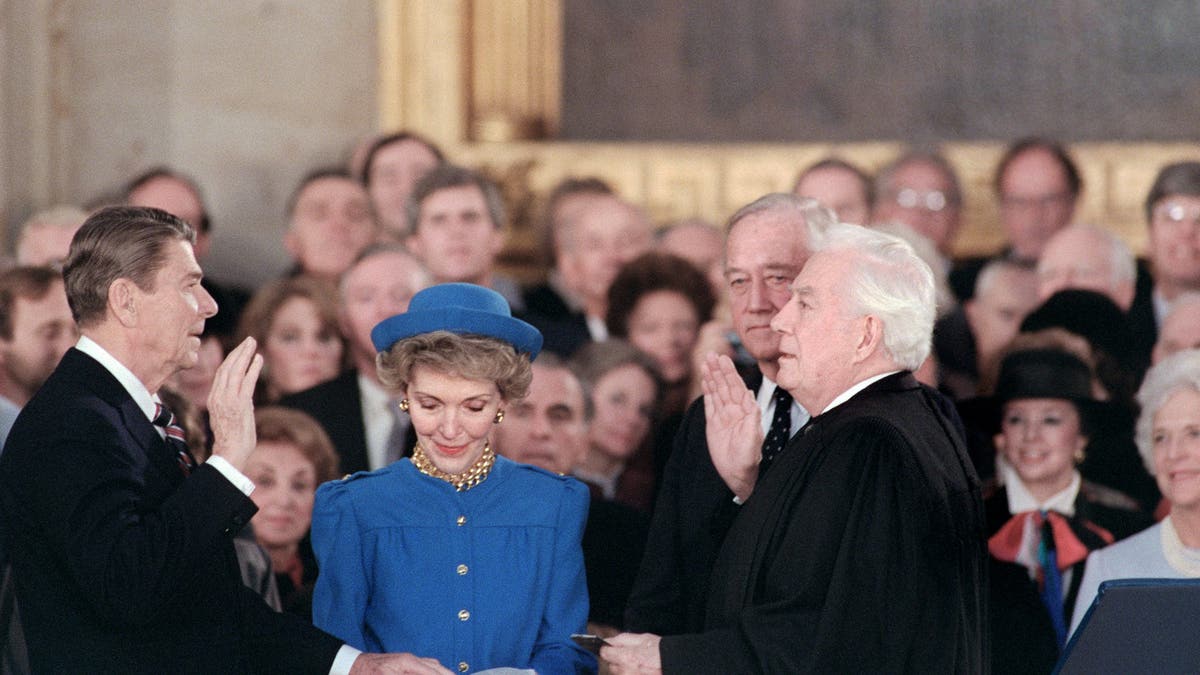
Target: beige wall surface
<point>245,96</point>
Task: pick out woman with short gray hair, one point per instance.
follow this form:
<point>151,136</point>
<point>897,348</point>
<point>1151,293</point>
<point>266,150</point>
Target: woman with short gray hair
<point>1168,436</point>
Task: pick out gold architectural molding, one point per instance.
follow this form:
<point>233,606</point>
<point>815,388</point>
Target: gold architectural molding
<point>505,55</point>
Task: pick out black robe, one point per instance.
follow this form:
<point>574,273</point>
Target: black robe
<point>862,550</point>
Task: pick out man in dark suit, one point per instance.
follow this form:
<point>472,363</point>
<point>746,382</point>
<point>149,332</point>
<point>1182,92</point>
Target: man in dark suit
<point>862,548</point>
<point>355,410</point>
<point>121,545</point>
<point>766,245</point>
<point>594,232</point>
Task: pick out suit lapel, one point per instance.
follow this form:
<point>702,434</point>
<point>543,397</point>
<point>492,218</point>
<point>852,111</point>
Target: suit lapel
<point>96,377</point>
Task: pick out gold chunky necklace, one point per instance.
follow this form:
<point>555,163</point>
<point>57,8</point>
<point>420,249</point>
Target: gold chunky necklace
<point>461,481</point>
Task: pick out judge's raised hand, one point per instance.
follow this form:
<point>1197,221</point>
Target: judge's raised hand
<point>396,664</point>
<point>231,404</point>
<point>734,425</point>
<point>632,654</point>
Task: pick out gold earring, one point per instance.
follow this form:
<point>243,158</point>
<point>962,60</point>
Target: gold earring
<point>404,405</point>
<point>499,416</point>
<point>1079,456</point>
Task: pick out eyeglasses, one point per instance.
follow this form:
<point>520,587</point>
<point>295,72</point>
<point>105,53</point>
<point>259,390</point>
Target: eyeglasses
<point>1038,202</point>
<point>934,200</point>
<point>1176,214</point>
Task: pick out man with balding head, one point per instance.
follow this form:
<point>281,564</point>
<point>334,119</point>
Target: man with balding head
<point>593,237</point>
<point>862,548</point>
<point>1088,258</point>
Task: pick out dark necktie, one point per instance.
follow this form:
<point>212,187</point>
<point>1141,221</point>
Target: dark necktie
<point>164,418</point>
<point>781,428</point>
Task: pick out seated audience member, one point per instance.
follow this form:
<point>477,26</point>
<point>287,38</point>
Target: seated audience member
<point>1112,458</point>
<point>1173,211</point>
<point>970,337</point>
<point>1037,185</point>
<point>658,302</point>
<point>1180,327</point>
<point>594,234</point>
<point>295,322</point>
<point>290,459</point>
<point>367,428</point>
<point>1043,413</point>
<point>564,198</point>
<point>456,225</point>
<point>839,186</point>
<point>623,386</point>
<point>699,243</point>
<point>329,223</point>
<point>549,429</point>
<point>456,554</point>
<point>921,190</point>
<point>44,238</point>
<point>1090,258</point>
<point>1167,439</point>
<point>180,196</point>
<point>392,166</point>
<point>36,329</point>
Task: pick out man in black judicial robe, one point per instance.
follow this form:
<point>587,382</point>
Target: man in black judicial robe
<point>862,549</point>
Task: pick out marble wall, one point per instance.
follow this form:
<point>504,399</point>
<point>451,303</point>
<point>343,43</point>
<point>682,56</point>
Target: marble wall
<point>245,96</point>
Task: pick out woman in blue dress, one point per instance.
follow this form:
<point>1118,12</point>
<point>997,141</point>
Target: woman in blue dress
<point>455,554</point>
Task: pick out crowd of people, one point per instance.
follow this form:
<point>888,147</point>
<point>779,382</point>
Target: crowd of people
<point>807,440</point>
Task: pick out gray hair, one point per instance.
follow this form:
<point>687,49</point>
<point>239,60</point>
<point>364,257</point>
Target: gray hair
<point>926,250</point>
<point>62,216</point>
<point>891,282</point>
<point>816,217</point>
<point>1121,259</point>
<point>1178,371</point>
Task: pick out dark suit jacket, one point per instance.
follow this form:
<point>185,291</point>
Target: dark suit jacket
<point>337,406</point>
<point>563,330</point>
<point>693,512</point>
<point>121,564</point>
<point>861,550</point>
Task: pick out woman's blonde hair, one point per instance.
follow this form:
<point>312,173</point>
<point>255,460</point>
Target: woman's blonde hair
<point>473,357</point>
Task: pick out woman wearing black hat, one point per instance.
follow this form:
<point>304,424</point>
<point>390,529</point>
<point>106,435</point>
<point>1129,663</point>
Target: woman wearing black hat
<point>1042,517</point>
<point>456,554</point>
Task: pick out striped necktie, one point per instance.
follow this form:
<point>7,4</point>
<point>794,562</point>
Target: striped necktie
<point>164,418</point>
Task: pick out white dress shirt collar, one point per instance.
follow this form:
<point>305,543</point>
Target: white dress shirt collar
<point>137,390</point>
<point>854,389</point>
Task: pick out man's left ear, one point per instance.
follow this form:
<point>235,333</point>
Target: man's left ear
<point>870,338</point>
